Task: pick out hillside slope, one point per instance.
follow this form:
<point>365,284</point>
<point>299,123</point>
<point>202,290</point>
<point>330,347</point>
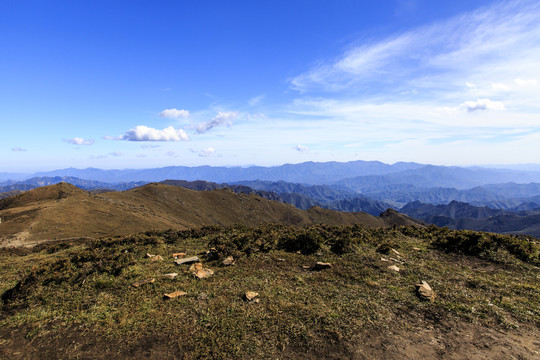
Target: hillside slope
<point>64,211</point>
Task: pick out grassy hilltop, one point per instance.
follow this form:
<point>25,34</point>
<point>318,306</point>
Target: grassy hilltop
<point>76,299</point>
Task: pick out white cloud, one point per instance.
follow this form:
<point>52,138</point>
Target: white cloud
<point>79,141</point>
<point>500,87</point>
<point>222,118</point>
<point>174,113</point>
<point>207,152</point>
<point>482,104</point>
<point>114,154</point>
<point>528,82</point>
<point>145,133</point>
<point>255,100</point>
<point>18,149</point>
<point>301,148</point>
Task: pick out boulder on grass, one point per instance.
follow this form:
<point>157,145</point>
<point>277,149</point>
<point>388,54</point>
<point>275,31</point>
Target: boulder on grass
<point>424,291</point>
<point>142,282</point>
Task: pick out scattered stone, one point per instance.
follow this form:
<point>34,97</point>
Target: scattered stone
<point>170,276</point>
<point>145,281</point>
<point>174,294</point>
<point>306,267</point>
<point>203,273</point>
<point>384,259</point>
<point>321,265</point>
<point>178,255</point>
<point>195,267</point>
<point>424,291</point>
<point>393,268</point>
<point>156,258</point>
<point>228,261</point>
<point>416,248</point>
<point>212,254</point>
<point>395,252</point>
<point>251,296</point>
<point>396,260</point>
<point>148,255</point>
<point>188,260</point>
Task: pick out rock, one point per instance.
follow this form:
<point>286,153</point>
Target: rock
<point>384,259</point>
<point>178,255</point>
<point>416,248</point>
<point>306,267</point>
<point>188,260</point>
<point>195,267</point>
<point>212,254</point>
<point>321,265</point>
<point>203,273</point>
<point>174,294</point>
<point>424,291</point>
<point>156,258</point>
<point>396,260</point>
<point>170,276</point>
<point>393,268</point>
<point>228,261</point>
<point>395,252</point>
<point>251,295</point>
<point>148,255</point>
<point>142,282</point>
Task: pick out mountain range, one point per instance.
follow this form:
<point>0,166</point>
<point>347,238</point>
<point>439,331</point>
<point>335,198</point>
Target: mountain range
<point>369,186</point>
<point>64,211</point>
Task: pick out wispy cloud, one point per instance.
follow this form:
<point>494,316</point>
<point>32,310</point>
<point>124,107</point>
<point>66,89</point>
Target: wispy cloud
<point>491,42</point>
<point>301,148</point>
<point>174,113</point>
<point>482,104</point>
<point>79,141</point>
<point>113,154</point>
<point>255,100</point>
<point>222,118</point>
<point>464,83</point>
<point>207,152</point>
<point>145,133</point>
<point>17,149</point>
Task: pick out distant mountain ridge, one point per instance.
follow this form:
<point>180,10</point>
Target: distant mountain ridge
<point>458,215</point>
<point>32,183</point>
<point>307,173</point>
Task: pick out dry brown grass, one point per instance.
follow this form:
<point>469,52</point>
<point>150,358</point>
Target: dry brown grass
<point>64,211</point>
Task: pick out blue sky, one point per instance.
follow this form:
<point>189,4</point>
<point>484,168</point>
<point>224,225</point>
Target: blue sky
<point>139,84</point>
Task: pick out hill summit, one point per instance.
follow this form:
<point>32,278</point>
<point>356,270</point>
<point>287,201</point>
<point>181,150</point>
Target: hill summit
<point>63,211</point>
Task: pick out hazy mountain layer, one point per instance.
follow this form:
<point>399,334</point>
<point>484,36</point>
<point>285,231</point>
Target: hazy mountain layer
<point>458,215</point>
<point>307,173</point>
